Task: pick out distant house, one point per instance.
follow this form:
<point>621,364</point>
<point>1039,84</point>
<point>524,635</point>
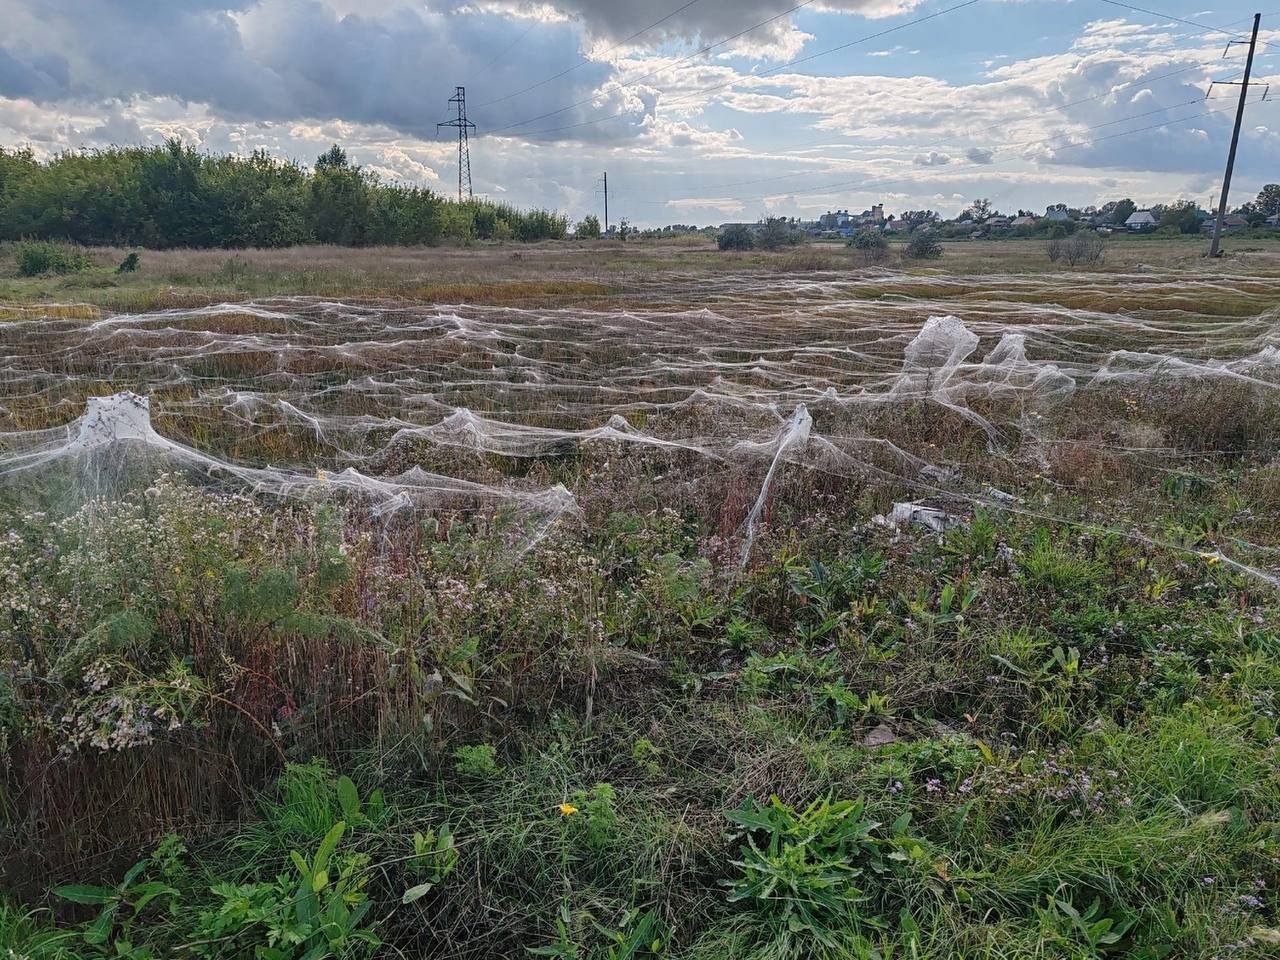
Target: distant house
<point>1022,222</point>
<point>1139,221</point>
<point>898,226</point>
<point>996,222</point>
<point>1231,223</point>
<point>1273,220</point>
<point>1057,216</point>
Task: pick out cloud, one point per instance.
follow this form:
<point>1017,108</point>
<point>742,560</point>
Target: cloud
<point>293,76</point>
<point>285,60</point>
<point>707,21</point>
<point>932,159</point>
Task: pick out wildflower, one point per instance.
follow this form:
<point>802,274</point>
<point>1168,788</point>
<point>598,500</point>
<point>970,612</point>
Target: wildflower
<point>567,809</point>
<point>1212,559</point>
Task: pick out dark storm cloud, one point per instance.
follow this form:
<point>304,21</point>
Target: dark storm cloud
<point>301,59</point>
<point>708,20</point>
<point>36,74</point>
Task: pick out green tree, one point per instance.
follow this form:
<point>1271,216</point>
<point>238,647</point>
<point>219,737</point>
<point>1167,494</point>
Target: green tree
<point>1122,211</point>
<point>172,195</point>
<point>339,201</point>
<point>1268,200</point>
<point>1182,216</point>
<point>777,233</point>
<point>588,227</point>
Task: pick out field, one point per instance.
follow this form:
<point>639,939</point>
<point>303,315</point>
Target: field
<point>613,601</point>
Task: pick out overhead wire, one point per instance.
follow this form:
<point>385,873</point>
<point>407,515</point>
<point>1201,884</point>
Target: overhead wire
<point>879,183</point>
<point>1202,26</point>
<point>1004,123</point>
<point>586,60</point>
<point>652,73</point>
<point>782,66</point>
<point>791,63</point>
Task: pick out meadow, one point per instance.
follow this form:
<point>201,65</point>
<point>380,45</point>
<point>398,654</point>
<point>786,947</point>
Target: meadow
<point>611,601</point>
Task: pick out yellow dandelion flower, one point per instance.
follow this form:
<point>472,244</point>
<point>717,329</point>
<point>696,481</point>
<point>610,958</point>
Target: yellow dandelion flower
<point>322,476</point>
<point>567,809</point>
<point>1210,558</point>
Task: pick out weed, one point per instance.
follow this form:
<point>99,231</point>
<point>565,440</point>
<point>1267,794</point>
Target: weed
<point>479,761</point>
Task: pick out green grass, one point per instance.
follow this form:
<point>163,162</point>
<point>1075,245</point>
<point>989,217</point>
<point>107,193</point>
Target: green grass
<point>1050,734</point>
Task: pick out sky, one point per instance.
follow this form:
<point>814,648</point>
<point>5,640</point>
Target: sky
<point>701,112</point>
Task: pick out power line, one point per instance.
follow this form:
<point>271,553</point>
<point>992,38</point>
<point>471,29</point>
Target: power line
<point>792,63</point>
<point>585,60</point>
<point>930,146</point>
<point>1168,16</point>
<point>876,183</point>
<point>1003,123</point>
<point>507,49</point>
<point>782,66</point>
<point>1106,93</point>
<point>655,72</point>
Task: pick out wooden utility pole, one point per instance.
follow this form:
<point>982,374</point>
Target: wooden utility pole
<point>606,203</point>
<point>1235,140</point>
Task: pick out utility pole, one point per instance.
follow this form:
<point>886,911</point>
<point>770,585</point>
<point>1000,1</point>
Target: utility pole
<point>606,203</point>
<point>1235,137</point>
<point>464,148</point>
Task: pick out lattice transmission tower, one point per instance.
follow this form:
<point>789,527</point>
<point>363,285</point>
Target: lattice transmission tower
<point>464,149</point>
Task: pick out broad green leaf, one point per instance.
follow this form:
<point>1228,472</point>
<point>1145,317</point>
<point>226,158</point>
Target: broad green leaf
<point>84,893</point>
<point>348,798</point>
<point>416,893</point>
<point>328,845</point>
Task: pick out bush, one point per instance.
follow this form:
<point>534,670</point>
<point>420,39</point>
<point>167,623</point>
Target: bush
<point>1085,247</point>
<point>738,236</point>
<point>39,257</point>
<point>479,761</point>
<point>923,245</point>
<point>588,228</point>
<point>779,233</point>
<point>872,246</point>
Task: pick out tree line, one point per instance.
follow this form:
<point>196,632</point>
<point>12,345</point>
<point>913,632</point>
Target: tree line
<point>175,196</point>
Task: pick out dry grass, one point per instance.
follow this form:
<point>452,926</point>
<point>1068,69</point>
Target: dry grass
<point>572,273</point>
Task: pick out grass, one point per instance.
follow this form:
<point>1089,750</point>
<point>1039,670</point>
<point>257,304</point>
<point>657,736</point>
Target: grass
<point>236,726</point>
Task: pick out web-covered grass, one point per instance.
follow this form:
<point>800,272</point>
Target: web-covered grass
<point>994,551</point>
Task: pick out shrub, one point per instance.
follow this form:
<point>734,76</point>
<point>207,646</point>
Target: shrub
<point>779,233</point>
<point>129,264</point>
<point>737,236</point>
<point>923,245</point>
<point>479,761</point>
<point>37,257</point>
<point>588,228</point>
<point>872,246</point>
<point>1084,247</point>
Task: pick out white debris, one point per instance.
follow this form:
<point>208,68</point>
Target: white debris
<point>904,514</point>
